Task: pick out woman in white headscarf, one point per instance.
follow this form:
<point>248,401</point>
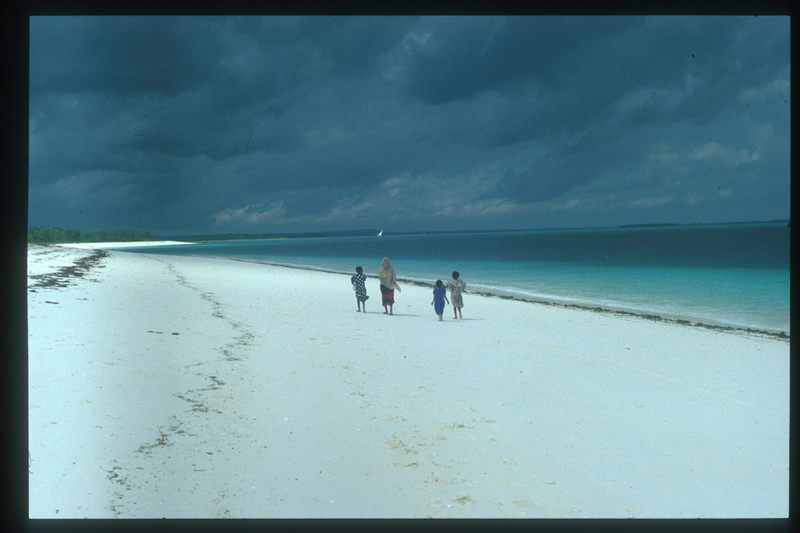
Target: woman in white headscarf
<point>388,280</point>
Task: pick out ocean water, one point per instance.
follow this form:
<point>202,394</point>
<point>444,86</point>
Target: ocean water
<point>733,275</point>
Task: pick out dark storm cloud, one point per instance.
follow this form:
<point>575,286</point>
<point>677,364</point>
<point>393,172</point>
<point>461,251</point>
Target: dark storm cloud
<point>121,54</point>
<point>562,73</point>
<point>565,72</point>
<point>251,123</point>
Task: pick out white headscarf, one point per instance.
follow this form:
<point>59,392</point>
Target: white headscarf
<point>387,275</point>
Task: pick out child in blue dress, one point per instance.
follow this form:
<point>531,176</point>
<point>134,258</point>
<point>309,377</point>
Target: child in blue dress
<point>358,280</point>
<point>439,298</point>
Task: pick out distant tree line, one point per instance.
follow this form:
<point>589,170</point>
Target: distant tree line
<point>51,235</point>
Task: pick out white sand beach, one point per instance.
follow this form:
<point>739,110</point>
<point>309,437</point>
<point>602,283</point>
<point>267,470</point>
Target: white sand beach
<point>133,244</point>
<point>178,387</point>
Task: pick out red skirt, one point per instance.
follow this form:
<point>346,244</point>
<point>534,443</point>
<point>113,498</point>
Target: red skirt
<point>387,295</point>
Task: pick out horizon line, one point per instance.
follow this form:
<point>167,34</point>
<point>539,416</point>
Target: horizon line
<point>397,232</point>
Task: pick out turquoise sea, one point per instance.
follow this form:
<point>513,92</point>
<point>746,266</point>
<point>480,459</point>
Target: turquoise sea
<point>734,275</point>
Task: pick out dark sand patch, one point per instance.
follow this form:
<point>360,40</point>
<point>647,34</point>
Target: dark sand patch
<point>64,276</point>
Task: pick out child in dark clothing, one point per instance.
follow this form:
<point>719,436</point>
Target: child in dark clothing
<point>358,280</point>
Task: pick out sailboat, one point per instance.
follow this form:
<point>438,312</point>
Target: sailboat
<point>380,233</point>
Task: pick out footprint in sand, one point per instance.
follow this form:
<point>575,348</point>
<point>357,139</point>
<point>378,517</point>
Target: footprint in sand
<point>401,446</point>
<point>528,504</point>
<point>414,464</point>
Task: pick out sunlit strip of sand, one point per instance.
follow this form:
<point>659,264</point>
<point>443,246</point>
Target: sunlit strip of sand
<point>135,244</point>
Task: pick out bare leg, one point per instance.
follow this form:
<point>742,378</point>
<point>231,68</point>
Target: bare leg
<point>385,310</point>
<point>390,309</point>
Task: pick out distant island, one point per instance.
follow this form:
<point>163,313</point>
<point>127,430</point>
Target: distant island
<point>653,225</point>
<point>663,224</point>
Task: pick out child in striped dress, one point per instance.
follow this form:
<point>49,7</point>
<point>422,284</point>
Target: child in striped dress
<point>457,286</point>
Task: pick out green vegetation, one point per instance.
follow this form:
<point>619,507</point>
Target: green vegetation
<point>51,235</point>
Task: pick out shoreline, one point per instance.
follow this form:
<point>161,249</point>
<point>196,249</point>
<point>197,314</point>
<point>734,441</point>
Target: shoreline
<point>682,320</point>
<point>621,311</point>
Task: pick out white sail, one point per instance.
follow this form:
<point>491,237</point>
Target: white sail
<point>380,233</point>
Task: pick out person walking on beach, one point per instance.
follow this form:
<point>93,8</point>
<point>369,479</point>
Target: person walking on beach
<point>457,286</point>
<point>439,298</point>
<point>358,280</point>
<point>388,280</point>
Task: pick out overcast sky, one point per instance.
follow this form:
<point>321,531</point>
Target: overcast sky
<point>257,124</point>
